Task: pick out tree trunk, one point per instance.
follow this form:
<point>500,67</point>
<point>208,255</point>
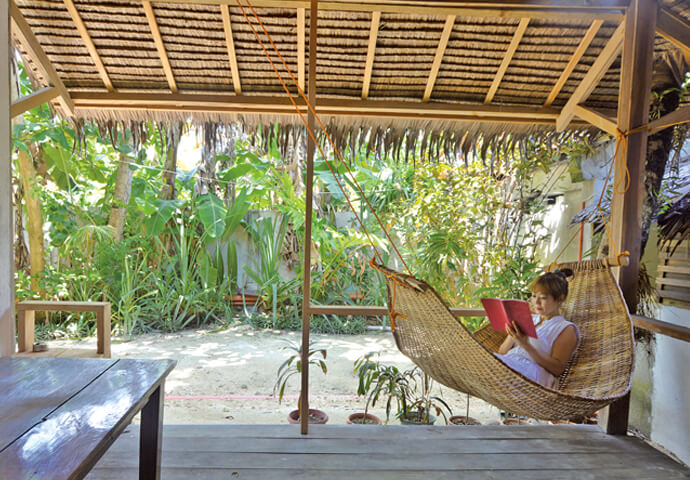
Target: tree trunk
<point>172,141</point>
<point>123,186</point>
<point>34,224</point>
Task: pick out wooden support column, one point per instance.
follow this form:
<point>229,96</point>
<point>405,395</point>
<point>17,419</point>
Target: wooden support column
<point>306,286</point>
<point>7,330</point>
<point>633,111</point>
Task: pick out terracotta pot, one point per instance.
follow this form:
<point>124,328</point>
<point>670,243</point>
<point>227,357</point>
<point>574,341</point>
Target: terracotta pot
<point>315,416</point>
<point>356,296</point>
<point>361,418</point>
<point>414,420</point>
<point>515,421</point>
<point>249,300</point>
<point>463,420</point>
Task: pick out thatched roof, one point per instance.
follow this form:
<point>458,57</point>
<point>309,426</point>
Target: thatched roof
<point>467,95</point>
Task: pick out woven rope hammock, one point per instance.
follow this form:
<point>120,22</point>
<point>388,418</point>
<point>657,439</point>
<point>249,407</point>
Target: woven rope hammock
<point>600,371</point>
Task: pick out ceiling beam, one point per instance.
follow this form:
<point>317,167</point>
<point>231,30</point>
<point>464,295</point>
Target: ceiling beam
<point>371,50</point>
<point>33,100</point>
<point>86,38</point>
<point>438,58</point>
<point>301,48</point>
<point>682,115</point>
<point>160,46</point>
<point>675,30</point>
<point>22,32</point>
<point>574,60</point>
<point>227,26</point>
<point>601,65</point>
<point>517,37</point>
<point>228,103</point>
<point>597,119</point>
<point>544,9</point>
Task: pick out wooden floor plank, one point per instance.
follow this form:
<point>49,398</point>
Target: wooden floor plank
<point>392,452</point>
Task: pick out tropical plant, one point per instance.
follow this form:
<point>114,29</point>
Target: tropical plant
<point>293,365</point>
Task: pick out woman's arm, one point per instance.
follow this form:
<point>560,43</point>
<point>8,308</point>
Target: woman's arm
<point>507,344</point>
<point>561,350</point>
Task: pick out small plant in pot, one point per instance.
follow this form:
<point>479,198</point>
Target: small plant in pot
<point>464,419</point>
<point>293,366</point>
<point>415,401</point>
<point>374,379</point>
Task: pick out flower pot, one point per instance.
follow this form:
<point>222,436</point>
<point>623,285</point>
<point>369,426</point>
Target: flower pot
<point>315,416</point>
<point>515,421</point>
<point>463,420</point>
<point>249,300</point>
<point>415,418</point>
<point>361,418</point>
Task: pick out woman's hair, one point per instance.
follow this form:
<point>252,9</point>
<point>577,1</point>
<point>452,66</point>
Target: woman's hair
<point>553,283</point>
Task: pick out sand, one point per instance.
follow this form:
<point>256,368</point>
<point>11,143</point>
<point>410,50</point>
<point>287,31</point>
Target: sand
<point>227,377</point>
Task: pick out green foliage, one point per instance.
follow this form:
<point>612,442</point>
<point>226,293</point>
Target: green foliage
<point>293,365</point>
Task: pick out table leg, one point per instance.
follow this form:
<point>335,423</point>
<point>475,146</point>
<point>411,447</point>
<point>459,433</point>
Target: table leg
<point>25,330</point>
<point>150,436</point>
<point>103,331</point>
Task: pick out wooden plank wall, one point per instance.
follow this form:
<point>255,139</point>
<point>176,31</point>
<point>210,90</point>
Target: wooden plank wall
<point>673,278</point>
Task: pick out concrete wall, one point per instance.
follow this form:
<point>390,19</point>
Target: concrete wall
<point>6,246</point>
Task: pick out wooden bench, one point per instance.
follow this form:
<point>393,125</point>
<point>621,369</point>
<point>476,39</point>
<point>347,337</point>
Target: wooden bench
<point>26,321</point>
<point>60,415</point>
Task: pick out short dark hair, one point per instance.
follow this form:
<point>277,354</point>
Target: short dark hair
<point>553,283</point>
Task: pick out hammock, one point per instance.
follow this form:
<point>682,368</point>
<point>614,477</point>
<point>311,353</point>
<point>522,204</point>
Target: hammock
<point>600,371</point>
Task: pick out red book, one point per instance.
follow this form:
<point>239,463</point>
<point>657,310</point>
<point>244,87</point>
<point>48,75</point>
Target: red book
<point>504,312</point>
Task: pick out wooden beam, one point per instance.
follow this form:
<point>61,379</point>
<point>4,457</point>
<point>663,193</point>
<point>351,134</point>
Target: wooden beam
<point>33,100</point>
<point>664,328</point>
<point>438,58</point>
<point>308,210</point>
<point>262,104</point>
<point>574,60</point>
<point>86,38</point>
<point>382,311</point>
<point>597,119</point>
<point>227,26</point>
<point>596,72</point>
<point>626,207</point>
<point>301,53</point>
<point>371,50</point>
<point>517,37</point>
<point>22,31</point>
<point>543,9</point>
<point>682,115</point>
<point>674,29</point>
<point>160,46</point>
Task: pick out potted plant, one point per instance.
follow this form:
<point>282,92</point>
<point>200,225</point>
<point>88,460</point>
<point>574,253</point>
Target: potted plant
<point>293,366</point>
<point>464,419</point>
<point>374,379</point>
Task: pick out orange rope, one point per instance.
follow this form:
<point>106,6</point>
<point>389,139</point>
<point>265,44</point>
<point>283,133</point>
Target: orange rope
<point>311,133</point>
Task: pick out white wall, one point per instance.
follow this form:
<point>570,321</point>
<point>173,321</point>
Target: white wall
<point>670,423</point>
<point>6,226</point>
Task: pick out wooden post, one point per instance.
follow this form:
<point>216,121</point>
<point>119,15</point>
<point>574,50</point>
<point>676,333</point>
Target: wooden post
<point>7,330</point>
<point>103,331</point>
<point>25,335</point>
<point>306,287</point>
<point>633,111</point>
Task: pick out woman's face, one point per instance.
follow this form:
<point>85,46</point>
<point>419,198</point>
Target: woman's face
<point>545,304</point>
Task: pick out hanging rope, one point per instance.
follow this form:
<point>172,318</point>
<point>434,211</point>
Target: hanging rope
<point>313,137</point>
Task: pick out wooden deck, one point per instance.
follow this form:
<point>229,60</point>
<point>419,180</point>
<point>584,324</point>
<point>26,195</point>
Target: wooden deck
<point>335,452</point>
<point>64,353</point>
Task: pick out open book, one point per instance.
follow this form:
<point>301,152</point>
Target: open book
<point>503,312</point>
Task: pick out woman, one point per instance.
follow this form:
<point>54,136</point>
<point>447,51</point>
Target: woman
<point>545,358</point>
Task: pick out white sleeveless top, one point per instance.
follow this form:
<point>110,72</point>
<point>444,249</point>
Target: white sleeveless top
<point>547,332</point>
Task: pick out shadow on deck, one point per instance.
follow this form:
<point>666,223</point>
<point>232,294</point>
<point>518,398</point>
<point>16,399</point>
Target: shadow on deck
<point>397,452</point>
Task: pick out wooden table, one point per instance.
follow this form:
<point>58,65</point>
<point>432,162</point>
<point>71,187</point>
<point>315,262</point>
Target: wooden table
<point>58,416</point>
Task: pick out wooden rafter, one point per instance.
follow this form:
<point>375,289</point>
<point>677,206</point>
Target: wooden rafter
<point>33,100</point>
<point>227,103</point>
<point>597,119</point>
<point>160,46</point>
<point>301,18</point>
<point>22,31</point>
<point>675,30</point>
<point>86,38</point>
<point>371,50</point>
<point>608,54</point>
<point>227,26</point>
<point>574,60</point>
<point>566,10</point>
<point>438,58</point>
<point>517,37</point>
<point>682,115</point>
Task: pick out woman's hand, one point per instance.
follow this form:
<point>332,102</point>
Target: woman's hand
<point>519,337</point>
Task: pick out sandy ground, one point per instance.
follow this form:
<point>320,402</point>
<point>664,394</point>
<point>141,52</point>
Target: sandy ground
<point>227,377</point>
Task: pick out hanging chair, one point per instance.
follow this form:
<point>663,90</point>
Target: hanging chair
<point>599,372</point>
